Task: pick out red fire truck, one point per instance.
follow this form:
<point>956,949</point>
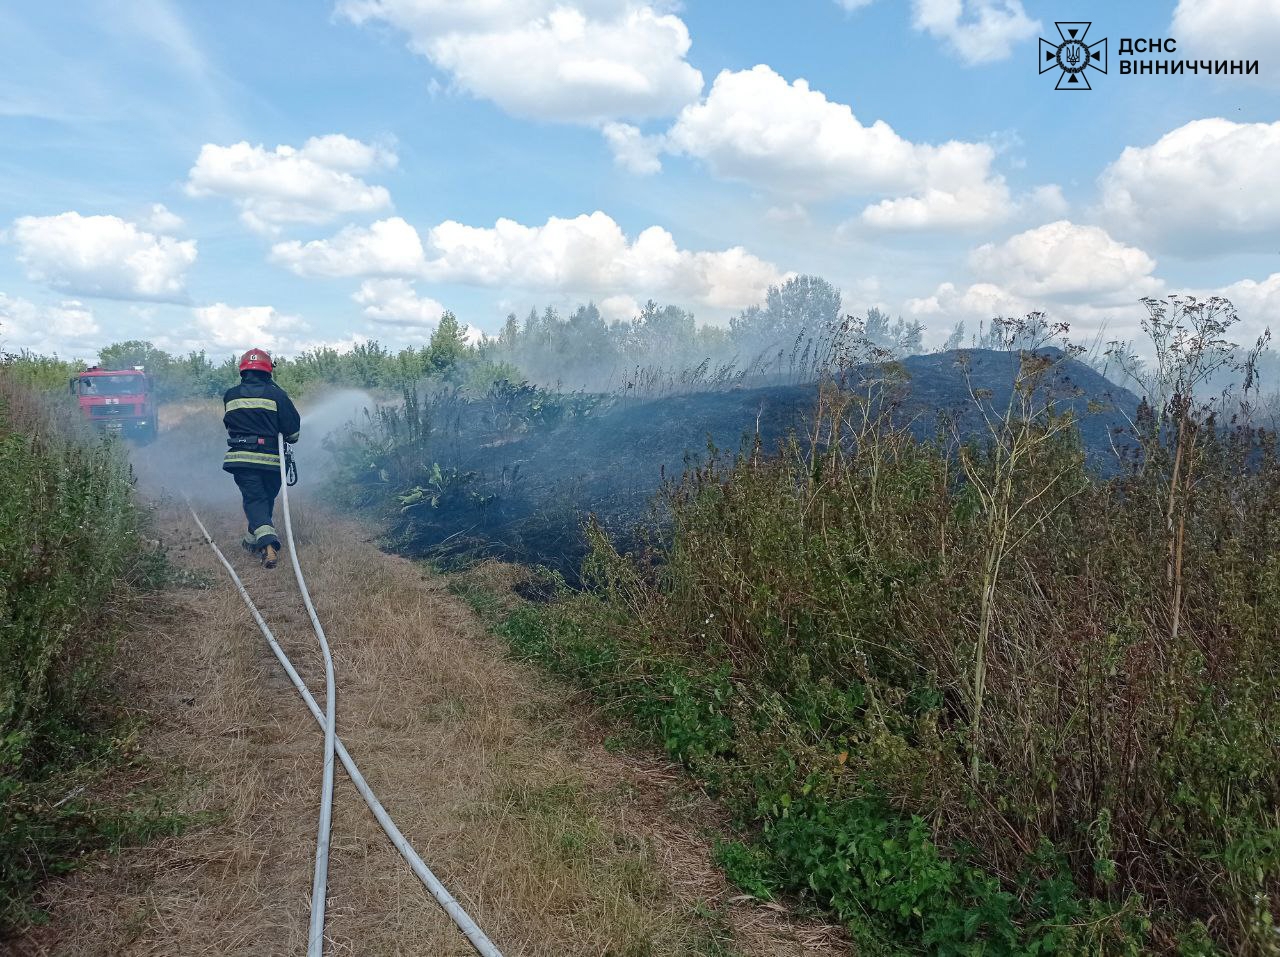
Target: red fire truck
<point>121,401</point>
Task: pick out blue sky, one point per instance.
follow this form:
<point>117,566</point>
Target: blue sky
<point>289,174</point>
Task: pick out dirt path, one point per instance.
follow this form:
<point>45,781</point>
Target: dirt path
<point>554,845</point>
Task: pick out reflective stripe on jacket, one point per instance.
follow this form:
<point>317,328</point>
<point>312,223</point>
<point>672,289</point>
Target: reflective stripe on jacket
<point>240,459</point>
<point>254,413</point>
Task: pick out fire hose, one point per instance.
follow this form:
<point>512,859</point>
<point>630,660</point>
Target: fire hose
<point>319,885</point>
<point>334,746</point>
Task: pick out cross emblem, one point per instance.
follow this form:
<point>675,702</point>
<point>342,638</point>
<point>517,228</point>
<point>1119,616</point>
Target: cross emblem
<point>1073,56</point>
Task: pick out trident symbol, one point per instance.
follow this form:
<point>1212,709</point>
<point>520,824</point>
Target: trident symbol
<point>1073,56</point>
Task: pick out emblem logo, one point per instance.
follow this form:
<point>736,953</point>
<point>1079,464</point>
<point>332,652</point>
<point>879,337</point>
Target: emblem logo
<point>1073,56</point>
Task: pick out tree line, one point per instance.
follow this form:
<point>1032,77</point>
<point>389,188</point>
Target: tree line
<point>798,332</point>
<point>799,321</point>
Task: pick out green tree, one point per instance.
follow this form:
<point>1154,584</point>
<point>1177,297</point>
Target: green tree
<point>900,338</point>
<point>448,346</point>
<point>510,332</point>
<point>174,376</point>
<point>132,353</point>
<point>804,307</point>
<point>662,330</point>
<point>586,340</point>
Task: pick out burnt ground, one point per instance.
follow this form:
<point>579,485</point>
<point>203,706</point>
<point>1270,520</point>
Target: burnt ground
<point>526,496</point>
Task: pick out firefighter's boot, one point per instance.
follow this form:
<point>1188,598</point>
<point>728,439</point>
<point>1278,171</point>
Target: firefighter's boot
<point>270,556</point>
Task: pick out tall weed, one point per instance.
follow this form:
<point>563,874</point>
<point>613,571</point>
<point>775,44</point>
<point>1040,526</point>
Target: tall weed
<point>967,688</point>
<point>69,556</point>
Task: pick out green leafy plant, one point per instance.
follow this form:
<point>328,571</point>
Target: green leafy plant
<point>70,556</point>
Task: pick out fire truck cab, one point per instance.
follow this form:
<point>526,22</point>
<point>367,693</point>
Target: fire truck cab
<point>119,401</point>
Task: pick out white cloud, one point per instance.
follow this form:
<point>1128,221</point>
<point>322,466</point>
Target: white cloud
<point>242,327</point>
<point>395,338</point>
<point>1236,29</point>
<point>160,219</point>
<point>619,307</point>
<point>978,303</point>
<point>1259,299</point>
<point>588,255</point>
<point>67,329</point>
<point>311,184</point>
<point>940,208</point>
<point>396,304</point>
<point>424,20</point>
<point>1066,261</point>
<point>1257,304</point>
<point>793,141</point>
<point>982,301</point>
<point>1048,200</point>
<point>754,126</point>
<point>103,256</point>
<point>1207,187</point>
<point>335,151</point>
<point>794,213</point>
<point>957,204</point>
<point>979,31</point>
<point>1078,274</point>
<point>389,247</point>
<point>632,150</point>
<point>590,61</point>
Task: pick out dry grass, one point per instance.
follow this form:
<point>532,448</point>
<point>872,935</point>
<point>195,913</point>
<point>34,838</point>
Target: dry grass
<point>555,846</point>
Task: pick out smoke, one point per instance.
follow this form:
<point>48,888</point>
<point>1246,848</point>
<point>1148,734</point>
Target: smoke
<point>326,414</point>
<point>799,332</point>
<point>321,418</point>
<point>514,475</point>
<point>186,458</point>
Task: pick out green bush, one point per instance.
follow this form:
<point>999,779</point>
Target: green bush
<point>38,373</point>
<point>69,558</point>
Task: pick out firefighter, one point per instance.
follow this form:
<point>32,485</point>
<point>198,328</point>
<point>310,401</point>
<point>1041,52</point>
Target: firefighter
<point>256,412</point>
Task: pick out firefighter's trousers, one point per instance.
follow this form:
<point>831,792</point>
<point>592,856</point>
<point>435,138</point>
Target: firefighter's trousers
<point>258,489</point>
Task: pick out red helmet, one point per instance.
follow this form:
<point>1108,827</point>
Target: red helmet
<point>258,359</point>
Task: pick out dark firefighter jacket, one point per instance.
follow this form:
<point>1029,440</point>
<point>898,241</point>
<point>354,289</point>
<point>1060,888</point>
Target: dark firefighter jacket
<point>255,412</point>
